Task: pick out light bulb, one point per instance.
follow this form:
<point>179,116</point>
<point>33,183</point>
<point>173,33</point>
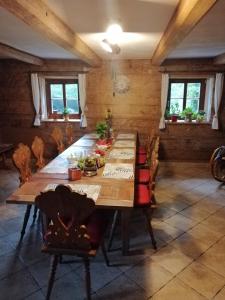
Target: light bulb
<point>113,33</point>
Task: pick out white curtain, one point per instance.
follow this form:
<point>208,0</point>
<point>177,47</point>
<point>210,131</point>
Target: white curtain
<point>164,94</point>
<point>82,94</point>
<point>44,113</point>
<point>217,99</point>
<point>36,98</point>
<point>208,97</point>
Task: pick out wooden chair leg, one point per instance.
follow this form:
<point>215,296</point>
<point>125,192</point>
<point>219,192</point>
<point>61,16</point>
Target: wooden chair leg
<point>52,275</point>
<point>25,220</point>
<point>87,277</point>
<point>104,252</point>
<point>112,230</point>
<point>148,214</point>
<point>35,213</point>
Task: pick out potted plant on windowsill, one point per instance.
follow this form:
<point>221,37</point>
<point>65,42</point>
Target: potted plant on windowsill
<point>174,112</point>
<point>188,114</point>
<point>200,117</point>
<point>66,114</point>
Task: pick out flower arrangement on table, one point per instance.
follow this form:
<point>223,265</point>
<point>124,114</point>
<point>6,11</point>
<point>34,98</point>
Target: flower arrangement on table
<point>103,143</point>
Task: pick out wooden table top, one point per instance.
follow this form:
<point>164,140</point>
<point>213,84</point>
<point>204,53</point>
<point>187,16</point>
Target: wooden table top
<point>117,193</point>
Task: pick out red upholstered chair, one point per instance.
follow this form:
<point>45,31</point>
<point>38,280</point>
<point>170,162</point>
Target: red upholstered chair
<point>71,227</point>
<point>145,200</point>
<point>143,175</point>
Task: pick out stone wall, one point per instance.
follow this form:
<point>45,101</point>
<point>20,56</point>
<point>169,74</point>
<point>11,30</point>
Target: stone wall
<point>136,110</point>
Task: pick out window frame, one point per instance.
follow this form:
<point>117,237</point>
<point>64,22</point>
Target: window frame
<point>186,81</point>
<point>63,81</point>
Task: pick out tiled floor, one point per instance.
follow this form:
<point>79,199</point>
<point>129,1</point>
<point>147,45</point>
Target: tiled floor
<point>189,264</point>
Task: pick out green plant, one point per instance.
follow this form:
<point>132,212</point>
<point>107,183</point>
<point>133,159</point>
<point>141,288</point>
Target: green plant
<point>101,128</point>
<point>187,113</point>
<point>200,116</point>
<point>66,111</point>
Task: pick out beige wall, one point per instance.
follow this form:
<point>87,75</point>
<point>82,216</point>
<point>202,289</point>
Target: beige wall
<point>138,109</point>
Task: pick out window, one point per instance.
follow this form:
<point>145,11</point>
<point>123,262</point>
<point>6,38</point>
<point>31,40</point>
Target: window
<point>185,93</point>
<point>61,94</point>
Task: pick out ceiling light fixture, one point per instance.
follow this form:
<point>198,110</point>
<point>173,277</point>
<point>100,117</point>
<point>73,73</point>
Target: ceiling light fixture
<point>113,33</point>
<point>109,47</point>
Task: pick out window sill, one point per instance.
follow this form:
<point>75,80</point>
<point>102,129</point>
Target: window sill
<point>182,122</point>
<point>61,120</point>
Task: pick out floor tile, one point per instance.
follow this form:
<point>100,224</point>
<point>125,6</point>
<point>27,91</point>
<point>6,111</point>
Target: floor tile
<point>177,290</point>
<point>150,276</point>
<point>36,296</point>
<point>196,213</point>
<point>202,279</point>
<point>220,295</point>
<point>121,288</point>
<point>40,271</point>
<point>100,273</point>
<point>10,263</point>
<point>171,259</point>
<point>204,234</point>
<point>68,287</point>
<point>17,286</point>
<point>181,222</point>
<point>166,232</point>
<point>214,258</point>
<point>189,245</point>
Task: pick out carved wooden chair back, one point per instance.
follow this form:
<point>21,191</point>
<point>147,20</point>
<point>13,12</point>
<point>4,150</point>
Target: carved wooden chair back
<point>156,147</point>
<point>69,134</point>
<point>57,136</point>
<point>22,159</point>
<point>38,151</point>
<point>66,212</point>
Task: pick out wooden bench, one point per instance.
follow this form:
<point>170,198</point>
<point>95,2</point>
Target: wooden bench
<point>4,148</point>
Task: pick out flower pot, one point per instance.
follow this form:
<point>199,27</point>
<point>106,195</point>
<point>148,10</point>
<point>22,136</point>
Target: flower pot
<point>174,118</point>
<point>188,118</point>
<point>66,117</point>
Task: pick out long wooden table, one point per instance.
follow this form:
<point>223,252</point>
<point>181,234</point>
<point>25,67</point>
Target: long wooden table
<point>115,193</point>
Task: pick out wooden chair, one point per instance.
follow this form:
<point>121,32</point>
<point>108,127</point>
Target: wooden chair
<point>71,227</point>
<point>144,154</point>
<point>69,134</point>
<point>38,151</point>
<point>57,136</point>
<point>145,200</point>
<point>22,160</point>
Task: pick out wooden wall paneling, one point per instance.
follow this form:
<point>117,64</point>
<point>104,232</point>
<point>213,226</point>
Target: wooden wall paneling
<point>137,110</point>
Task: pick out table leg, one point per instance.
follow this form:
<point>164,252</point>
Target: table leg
<point>125,218</point>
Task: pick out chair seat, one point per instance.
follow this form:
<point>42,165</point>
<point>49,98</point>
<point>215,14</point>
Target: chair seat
<point>141,150</point>
<point>141,159</point>
<point>143,176</point>
<point>143,195</point>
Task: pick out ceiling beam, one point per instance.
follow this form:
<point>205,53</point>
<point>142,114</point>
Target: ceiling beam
<point>220,59</point>
<point>187,14</point>
<point>41,18</point>
<point>9,52</point>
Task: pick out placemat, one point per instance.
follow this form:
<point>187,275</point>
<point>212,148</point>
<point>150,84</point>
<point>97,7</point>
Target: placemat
<point>118,171</point>
<point>121,154</point>
<point>124,144</point>
<point>126,136</point>
<point>91,190</point>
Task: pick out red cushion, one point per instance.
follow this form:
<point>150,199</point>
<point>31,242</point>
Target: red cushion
<point>143,175</point>
<point>142,195</point>
<point>141,159</point>
<point>141,150</point>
